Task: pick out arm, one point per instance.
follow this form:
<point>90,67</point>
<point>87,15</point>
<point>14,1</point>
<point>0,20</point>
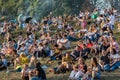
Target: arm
<point>101,63</point>
<point>63,42</point>
<point>23,73</point>
<point>34,73</point>
<point>35,61</point>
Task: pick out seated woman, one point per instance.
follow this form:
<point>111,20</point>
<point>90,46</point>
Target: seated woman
<point>89,46</point>
<point>79,70</point>
<point>38,73</point>
<point>21,60</point>
<point>32,62</point>
<point>108,31</point>
<point>22,48</point>
<point>114,44</point>
<point>41,51</point>
<point>72,36</point>
<point>104,61</point>
<point>3,62</point>
<point>66,64</point>
<point>48,38</point>
<point>25,72</point>
<point>96,73</point>
<point>115,59</point>
<point>64,42</point>
<point>91,32</point>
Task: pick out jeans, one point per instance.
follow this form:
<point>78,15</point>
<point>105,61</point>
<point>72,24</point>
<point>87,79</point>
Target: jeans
<point>106,67</point>
<point>72,38</point>
<point>115,66</point>
<point>35,78</point>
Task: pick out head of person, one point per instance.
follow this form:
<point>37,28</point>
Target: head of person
<point>67,55</point>
<point>22,55</point>
<point>94,62</point>
<point>113,51</point>
<point>81,61</point>
<point>38,65</point>
<point>22,45</point>
<point>2,56</point>
<point>84,46</point>
<point>77,48</point>
<point>40,44</point>
<point>25,66</point>
<point>64,36</point>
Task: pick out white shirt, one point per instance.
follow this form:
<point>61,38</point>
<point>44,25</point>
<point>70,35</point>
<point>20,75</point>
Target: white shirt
<point>25,71</point>
<point>59,26</point>
<point>112,19</point>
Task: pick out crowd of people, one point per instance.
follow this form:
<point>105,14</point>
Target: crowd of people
<point>93,32</point>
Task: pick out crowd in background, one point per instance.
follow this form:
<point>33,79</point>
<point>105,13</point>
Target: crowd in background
<point>94,37</point>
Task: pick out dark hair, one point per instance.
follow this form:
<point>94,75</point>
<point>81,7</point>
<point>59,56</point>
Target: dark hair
<point>114,51</point>
<point>94,61</point>
<point>38,65</point>
<point>89,41</point>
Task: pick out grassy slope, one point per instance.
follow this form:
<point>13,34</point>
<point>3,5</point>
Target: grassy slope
<point>50,76</point>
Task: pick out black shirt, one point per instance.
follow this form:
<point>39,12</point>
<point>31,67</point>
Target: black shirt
<point>105,59</point>
<point>41,73</point>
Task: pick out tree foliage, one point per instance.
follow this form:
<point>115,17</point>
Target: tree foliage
<point>40,8</point>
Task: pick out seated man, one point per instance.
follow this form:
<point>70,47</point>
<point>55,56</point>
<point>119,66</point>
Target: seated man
<point>76,53</point>
<point>55,53</point>
<point>84,52</point>
<point>104,61</point>
<point>66,64</point>
<point>3,62</point>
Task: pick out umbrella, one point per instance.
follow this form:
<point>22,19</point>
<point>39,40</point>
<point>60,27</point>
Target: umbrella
<point>27,20</point>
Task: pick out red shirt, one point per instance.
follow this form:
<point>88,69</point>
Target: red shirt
<point>89,45</point>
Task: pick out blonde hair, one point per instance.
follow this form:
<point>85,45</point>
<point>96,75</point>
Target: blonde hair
<point>22,55</point>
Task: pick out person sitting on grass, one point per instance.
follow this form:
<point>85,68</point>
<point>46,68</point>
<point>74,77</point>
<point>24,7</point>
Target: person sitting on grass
<point>3,62</point>
<point>115,59</point>
<point>66,64</point>
<point>79,70</point>
<point>57,52</point>
<point>75,53</point>
<point>63,43</point>
<point>104,61</point>
<point>32,62</point>
<point>85,51</point>
<point>25,72</point>
<point>21,60</point>
<point>38,73</point>
<point>96,73</point>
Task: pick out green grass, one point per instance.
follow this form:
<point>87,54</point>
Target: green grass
<point>50,76</point>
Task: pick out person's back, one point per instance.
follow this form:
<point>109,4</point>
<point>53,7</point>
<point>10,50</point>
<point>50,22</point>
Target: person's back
<point>38,73</point>
<point>41,73</point>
